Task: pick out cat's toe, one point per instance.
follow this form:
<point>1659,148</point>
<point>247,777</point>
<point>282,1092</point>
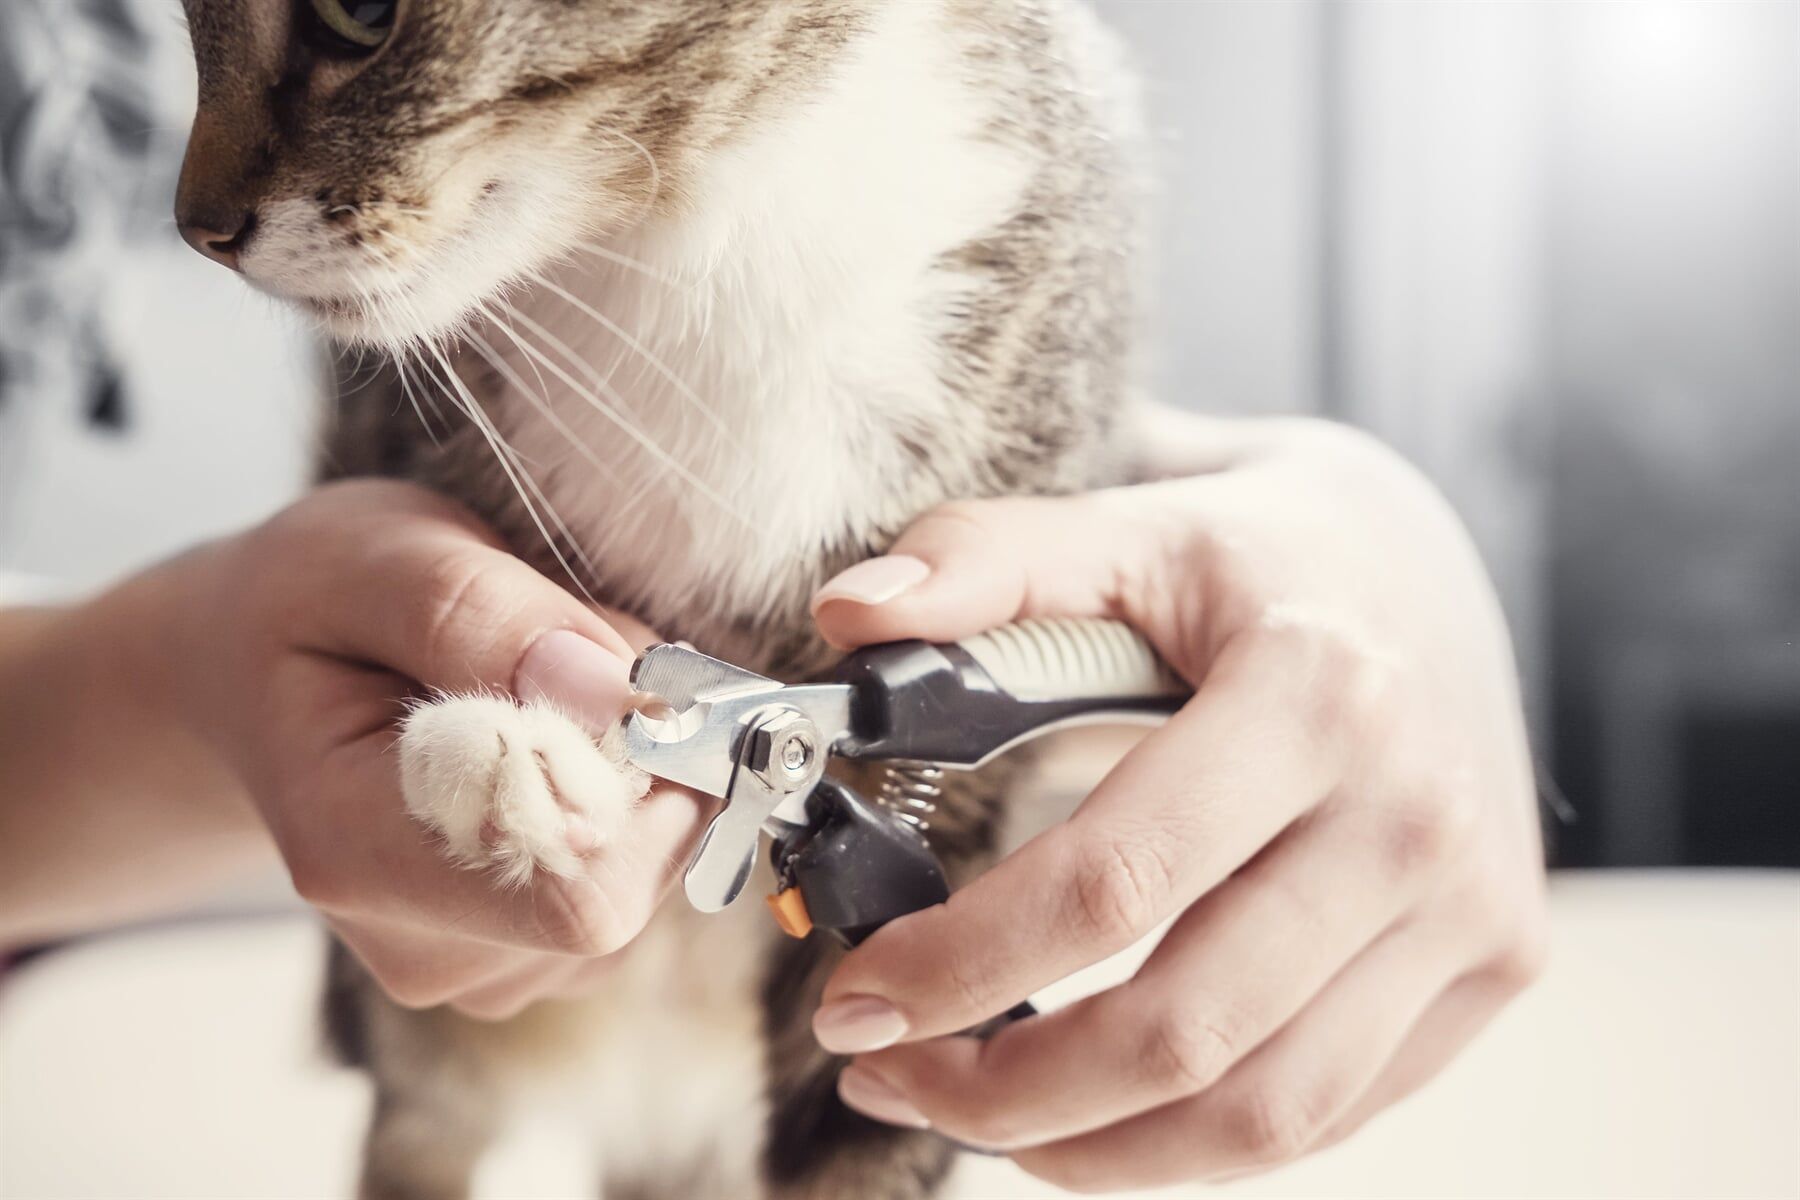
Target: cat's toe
<point>516,788</point>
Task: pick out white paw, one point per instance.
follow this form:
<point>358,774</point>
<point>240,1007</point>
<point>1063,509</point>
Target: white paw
<point>516,788</point>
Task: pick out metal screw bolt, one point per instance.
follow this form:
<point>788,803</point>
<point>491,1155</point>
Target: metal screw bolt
<point>784,749</point>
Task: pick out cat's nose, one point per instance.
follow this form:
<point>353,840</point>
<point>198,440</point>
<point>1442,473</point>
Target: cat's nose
<point>221,241</point>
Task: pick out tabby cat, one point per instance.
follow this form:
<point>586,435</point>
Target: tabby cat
<point>699,302</point>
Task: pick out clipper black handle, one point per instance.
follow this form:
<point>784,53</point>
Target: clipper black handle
<point>959,704</point>
<point>856,867</point>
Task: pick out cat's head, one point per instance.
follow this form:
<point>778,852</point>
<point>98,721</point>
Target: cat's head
<point>389,164</point>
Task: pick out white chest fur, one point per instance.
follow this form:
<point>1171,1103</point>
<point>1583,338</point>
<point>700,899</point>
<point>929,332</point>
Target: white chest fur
<point>707,406</point>
<point>732,405</point>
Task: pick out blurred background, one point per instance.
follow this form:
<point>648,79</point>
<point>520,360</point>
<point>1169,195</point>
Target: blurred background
<point>1552,252</point>
<point>1549,250</point>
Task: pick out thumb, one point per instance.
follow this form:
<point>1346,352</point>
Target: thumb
<point>968,566</point>
<point>391,576</point>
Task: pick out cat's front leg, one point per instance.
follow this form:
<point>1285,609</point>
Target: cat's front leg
<point>515,788</point>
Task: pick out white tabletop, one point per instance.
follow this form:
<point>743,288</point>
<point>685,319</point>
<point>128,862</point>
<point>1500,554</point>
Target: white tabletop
<point>1660,1056</point>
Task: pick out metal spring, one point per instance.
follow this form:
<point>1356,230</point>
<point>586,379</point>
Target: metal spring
<point>910,791</point>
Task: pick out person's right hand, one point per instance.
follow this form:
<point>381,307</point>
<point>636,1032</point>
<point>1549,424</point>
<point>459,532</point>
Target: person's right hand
<point>306,638</point>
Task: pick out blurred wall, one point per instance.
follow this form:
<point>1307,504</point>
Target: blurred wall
<point>147,398</point>
<point>1552,252</point>
<point>1672,308</point>
<point>1231,93</point>
<point>1351,224</point>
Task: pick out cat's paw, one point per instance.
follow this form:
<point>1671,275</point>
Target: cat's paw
<point>516,788</point>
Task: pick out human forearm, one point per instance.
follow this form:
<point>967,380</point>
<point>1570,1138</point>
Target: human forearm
<point>111,805</point>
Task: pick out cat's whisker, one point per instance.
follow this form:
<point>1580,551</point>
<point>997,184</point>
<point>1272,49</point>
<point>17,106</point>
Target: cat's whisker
<point>511,462</point>
<point>496,318</point>
<point>368,373</point>
<point>542,403</point>
<point>628,262</point>
<point>356,381</point>
<point>680,385</point>
<point>538,278</point>
<point>533,357</point>
<point>523,484</point>
<point>546,407</point>
<point>375,309</point>
<point>607,410</point>
<point>406,389</point>
<point>635,496</point>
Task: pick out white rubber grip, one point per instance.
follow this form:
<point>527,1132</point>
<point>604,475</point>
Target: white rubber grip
<point>1073,657</point>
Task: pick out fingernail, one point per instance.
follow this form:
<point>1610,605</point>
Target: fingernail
<point>873,1096</point>
<point>858,1024</point>
<point>874,581</point>
<point>566,670</point>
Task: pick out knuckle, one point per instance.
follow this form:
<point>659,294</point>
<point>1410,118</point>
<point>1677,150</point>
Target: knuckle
<point>1360,693</point>
<point>1428,823</point>
<point>464,602</point>
<point>1343,446</point>
<point>1522,964</point>
<point>316,881</point>
<point>968,985</point>
<point>957,522</point>
<point>573,920</point>
<point>1273,1125</point>
<point>1352,686</point>
<point>992,1127</point>
<point>1121,889</point>
<point>976,524</point>
<point>1082,1174</point>
<point>412,996</point>
<point>971,514</point>
<point>1186,1051</point>
<point>485,1008</point>
<point>414,988</point>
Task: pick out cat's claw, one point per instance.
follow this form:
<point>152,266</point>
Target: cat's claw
<point>514,788</point>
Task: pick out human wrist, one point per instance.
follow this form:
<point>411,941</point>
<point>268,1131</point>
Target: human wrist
<point>112,808</point>
<point>1166,442</point>
<point>150,650</point>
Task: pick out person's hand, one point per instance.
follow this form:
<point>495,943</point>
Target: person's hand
<point>305,638</point>
<point>1341,824</point>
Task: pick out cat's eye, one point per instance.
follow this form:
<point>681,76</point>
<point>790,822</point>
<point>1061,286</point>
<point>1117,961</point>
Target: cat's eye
<point>352,26</point>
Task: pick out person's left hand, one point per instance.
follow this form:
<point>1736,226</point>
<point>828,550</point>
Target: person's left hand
<point>1341,823</point>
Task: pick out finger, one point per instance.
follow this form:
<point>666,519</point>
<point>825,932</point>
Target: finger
<point>354,852</point>
<point>1233,970</point>
<point>507,997</point>
<point>1185,809</point>
<point>419,969</point>
<point>588,973</point>
<point>414,586</point>
<point>1450,1024</point>
<point>1278,1102</point>
<point>547,978</point>
<point>969,566</point>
